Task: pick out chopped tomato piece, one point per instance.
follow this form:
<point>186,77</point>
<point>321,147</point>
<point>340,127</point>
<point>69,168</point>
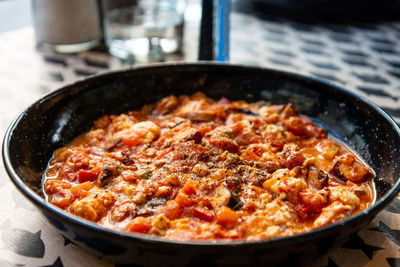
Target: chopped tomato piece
<point>139,225</point>
<point>249,155</point>
<point>140,133</point>
<point>71,176</point>
<point>85,175</point>
<point>164,191</point>
<point>258,151</point>
<point>171,210</point>
<point>80,190</point>
<point>312,200</point>
<point>129,176</point>
<point>221,140</point>
<point>190,188</point>
<point>226,216</point>
<point>302,212</point>
<point>53,186</point>
<point>204,129</point>
<point>185,200</point>
<point>295,125</point>
<point>203,214</point>
<point>62,199</point>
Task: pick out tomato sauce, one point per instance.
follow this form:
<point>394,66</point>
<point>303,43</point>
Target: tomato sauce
<point>193,168</point>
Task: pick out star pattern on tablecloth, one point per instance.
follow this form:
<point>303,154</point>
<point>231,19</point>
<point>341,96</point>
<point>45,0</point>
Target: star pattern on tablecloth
<point>393,262</point>
<point>392,234</point>
<point>24,243</point>
<point>67,241</point>
<point>331,263</point>
<point>356,242</point>
<point>56,263</point>
<point>394,206</point>
<point>127,265</point>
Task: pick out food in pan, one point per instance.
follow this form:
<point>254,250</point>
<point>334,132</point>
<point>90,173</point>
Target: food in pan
<point>193,168</point>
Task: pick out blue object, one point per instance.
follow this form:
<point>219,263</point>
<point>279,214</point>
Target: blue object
<point>222,37</point>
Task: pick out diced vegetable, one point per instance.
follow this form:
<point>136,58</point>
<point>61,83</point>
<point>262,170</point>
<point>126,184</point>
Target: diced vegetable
<point>171,210</point>
<point>291,156</point>
<point>62,198</point>
<point>54,185</point>
<point>203,214</point>
<point>161,222</point>
<point>350,168</point>
<point>316,177</point>
<point>139,225</point>
<point>226,216</point>
<point>185,200</point>
<point>85,175</point>
<point>221,197</point>
<point>140,133</point>
<point>330,152</point>
<point>80,190</point>
<point>190,188</point>
<point>129,176</point>
<point>312,200</point>
<point>296,126</point>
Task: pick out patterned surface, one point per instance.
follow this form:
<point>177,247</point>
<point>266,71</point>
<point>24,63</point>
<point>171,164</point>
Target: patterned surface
<point>363,59</point>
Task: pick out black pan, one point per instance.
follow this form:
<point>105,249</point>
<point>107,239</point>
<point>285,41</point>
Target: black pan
<point>57,118</point>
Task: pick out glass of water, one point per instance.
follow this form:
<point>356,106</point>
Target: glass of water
<point>139,31</point>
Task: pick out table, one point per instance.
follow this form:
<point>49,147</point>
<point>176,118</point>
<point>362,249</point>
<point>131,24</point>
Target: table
<point>363,58</point>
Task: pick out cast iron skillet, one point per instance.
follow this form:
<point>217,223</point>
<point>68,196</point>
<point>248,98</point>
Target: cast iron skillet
<point>62,115</point>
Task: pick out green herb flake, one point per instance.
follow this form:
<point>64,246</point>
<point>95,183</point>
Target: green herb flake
<point>280,127</point>
<point>147,174</point>
<point>229,134</point>
<point>165,167</point>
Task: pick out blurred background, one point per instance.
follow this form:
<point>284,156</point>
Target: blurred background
<point>14,14</point>
<point>17,13</point>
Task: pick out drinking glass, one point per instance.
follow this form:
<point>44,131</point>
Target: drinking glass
<point>143,30</point>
